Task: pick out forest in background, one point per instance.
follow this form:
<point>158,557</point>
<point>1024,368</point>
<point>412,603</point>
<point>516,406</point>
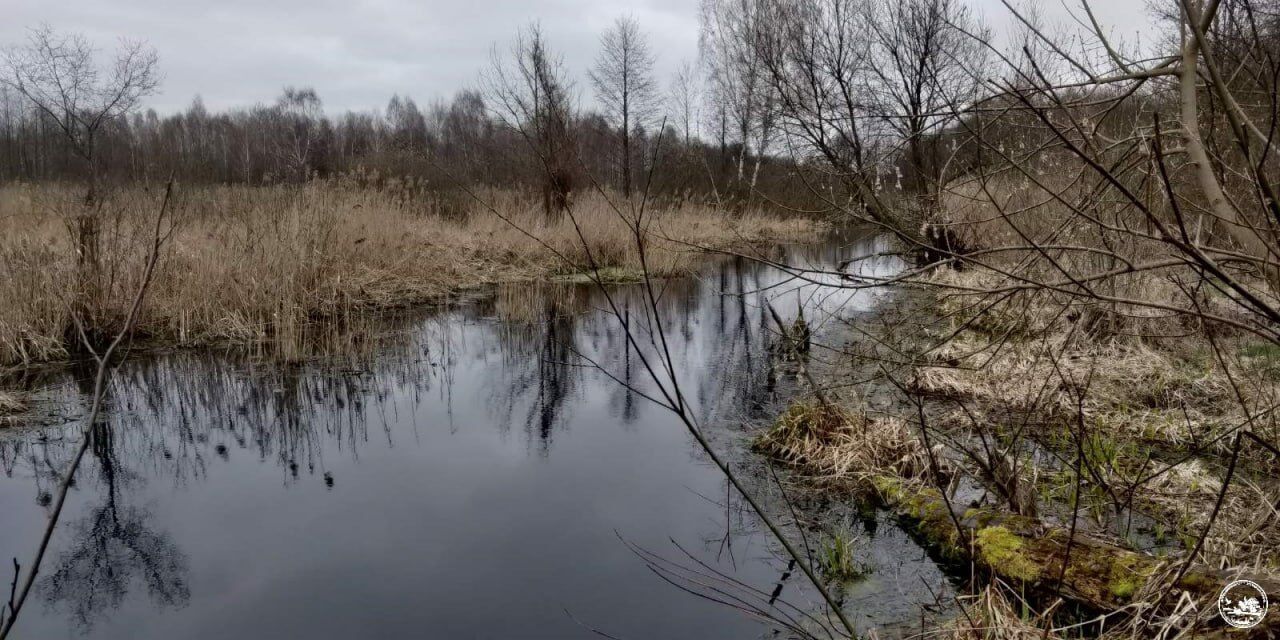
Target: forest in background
<point>498,134</point>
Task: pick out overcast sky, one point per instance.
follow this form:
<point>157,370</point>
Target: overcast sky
<point>357,53</point>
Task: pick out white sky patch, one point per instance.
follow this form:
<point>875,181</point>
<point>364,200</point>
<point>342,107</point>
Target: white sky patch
<point>357,53</point>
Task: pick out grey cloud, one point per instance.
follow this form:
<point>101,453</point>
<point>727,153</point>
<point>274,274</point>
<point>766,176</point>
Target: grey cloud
<point>358,53</point>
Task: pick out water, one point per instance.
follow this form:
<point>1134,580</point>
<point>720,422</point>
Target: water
<point>468,473</point>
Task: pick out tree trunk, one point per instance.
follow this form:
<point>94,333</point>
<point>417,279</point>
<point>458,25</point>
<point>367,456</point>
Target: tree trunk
<point>86,229</point>
<point>626,154</point>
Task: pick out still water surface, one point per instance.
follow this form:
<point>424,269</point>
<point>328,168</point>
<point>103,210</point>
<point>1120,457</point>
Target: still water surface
<point>469,473</point>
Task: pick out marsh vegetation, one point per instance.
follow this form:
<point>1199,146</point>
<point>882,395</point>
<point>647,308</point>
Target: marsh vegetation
<point>271,266</point>
<point>1028,358</point>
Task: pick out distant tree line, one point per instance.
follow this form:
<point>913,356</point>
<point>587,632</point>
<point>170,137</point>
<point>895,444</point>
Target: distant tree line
<point>293,140</point>
<point>812,103</point>
<point>521,129</point>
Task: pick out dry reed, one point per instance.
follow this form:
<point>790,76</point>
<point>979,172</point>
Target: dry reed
<point>10,403</point>
<point>830,443</point>
<point>263,264</point>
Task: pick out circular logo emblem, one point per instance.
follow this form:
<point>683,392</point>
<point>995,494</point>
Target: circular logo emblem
<point>1242,604</point>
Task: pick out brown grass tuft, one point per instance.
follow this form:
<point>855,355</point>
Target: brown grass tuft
<point>995,613</point>
<point>831,443</point>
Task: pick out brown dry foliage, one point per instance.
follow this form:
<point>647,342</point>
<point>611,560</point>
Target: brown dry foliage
<point>994,613</point>
<point>831,443</point>
<point>10,403</point>
<point>262,263</point>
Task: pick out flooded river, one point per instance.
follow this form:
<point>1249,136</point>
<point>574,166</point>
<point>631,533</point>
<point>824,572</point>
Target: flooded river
<point>474,472</point>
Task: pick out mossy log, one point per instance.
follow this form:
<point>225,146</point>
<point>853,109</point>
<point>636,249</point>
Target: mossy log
<point>1026,551</point>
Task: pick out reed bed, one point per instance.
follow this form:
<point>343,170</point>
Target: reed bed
<point>273,264</point>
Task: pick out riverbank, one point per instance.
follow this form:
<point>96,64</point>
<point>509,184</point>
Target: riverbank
<point>1083,458</point>
<point>271,265</point>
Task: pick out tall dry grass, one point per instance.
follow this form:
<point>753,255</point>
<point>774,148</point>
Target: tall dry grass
<point>271,264</point>
<point>1104,334</point>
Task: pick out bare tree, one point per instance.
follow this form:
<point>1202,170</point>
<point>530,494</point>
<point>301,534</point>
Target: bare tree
<point>815,55</point>
<point>684,98</point>
<point>59,75</point>
<point>408,124</point>
<point>870,88</point>
<point>301,114</point>
<point>1110,203</point>
<point>924,62</point>
<point>531,95</point>
<point>623,79</point>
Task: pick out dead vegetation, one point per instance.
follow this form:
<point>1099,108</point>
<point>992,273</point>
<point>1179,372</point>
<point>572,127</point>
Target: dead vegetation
<point>1092,337</point>
<point>1118,418</point>
<point>1096,270</point>
<point>1097,355</point>
<point>1166,388</point>
<point>262,264</point>
<point>995,613</point>
<point>10,403</point>
<point>832,444</point>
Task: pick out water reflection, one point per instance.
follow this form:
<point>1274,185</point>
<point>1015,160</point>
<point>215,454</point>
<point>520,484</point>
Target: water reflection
<point>113,549</point>
<point>537,337</point>
<point>460,474</point>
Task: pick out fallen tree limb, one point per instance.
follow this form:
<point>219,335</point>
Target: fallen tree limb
<point>1027,551</point>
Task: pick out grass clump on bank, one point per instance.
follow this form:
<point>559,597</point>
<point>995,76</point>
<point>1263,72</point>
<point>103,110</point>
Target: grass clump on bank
<point>831,443</point>
<point>837,558</point>
<point>995,613</point>
<point>271,264</point>
<point>1109,426</point>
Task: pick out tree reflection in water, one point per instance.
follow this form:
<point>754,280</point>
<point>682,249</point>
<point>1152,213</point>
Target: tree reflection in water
<point>113,549</point>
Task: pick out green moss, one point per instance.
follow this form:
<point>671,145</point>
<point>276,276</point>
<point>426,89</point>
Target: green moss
<point>1124,588</point>
<point>1127,573</point>
<point>923,506</point>
<point>606,275</point>
<point>890,489</point>
<point>1001,550</point>
<point>1198,583</point>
